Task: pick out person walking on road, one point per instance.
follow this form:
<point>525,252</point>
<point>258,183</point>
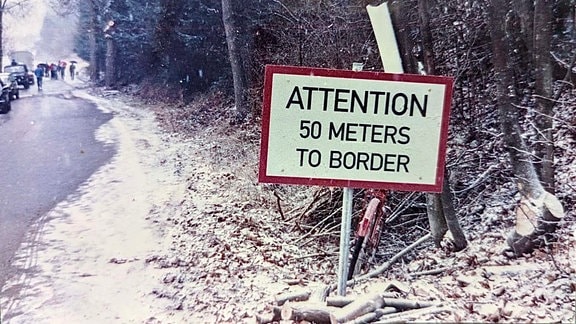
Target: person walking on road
<point>62,69</point>
<point>72,70</point>
<point>39,72</point>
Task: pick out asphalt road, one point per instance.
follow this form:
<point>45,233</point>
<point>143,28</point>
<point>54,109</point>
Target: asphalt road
<point>47,149</point>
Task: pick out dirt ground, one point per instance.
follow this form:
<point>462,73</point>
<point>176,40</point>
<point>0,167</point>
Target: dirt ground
<point>176,229</point>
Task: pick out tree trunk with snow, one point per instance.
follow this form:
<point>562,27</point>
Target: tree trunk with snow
<point>92,32</point>
<point>234,42</point>
<point>542,61</point>
<point>538,211</point>
<point>110,55</point>
<point>441,212</point>
<point>1,36</point>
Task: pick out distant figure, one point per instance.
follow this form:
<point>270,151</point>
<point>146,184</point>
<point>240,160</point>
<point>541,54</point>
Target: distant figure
<point>53,71</point>
<point>14,62</point>
<point>72,70</point>
<point>39,72</point>
<point>62,66</point>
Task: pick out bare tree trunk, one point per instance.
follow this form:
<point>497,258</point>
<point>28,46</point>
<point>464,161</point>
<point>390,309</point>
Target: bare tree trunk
<point>233,40</point>
<point>438,226</point>
<point>1,36</point>
<point>427,45</point>
<point>110,67</point>
<point>449,213</point>
<point>398,13</point>
<point>441,212</point>
<point>110,55</point>
<point>92,42</point>
<point>538,211</point>
<point>543,80</point>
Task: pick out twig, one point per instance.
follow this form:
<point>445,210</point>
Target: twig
<point>315,199</point>
<point>428,272</point>
<point>479,179</point>
<point>313,228</point>
<point>395,258</point>
<point>321,254</point>
<point>278,200</point>
<point>386,265</point>
<point>566,77</point>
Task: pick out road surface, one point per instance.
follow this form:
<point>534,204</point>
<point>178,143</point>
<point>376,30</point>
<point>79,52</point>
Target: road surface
<point>48,149</point>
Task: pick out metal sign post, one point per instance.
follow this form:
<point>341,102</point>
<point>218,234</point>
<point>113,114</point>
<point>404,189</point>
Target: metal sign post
<point>345,226</point>
<point>355,129</point>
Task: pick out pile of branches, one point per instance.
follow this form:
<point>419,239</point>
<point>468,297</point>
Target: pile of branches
<point>377,307</point>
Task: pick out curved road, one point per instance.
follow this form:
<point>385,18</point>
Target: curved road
<point>47,149</point>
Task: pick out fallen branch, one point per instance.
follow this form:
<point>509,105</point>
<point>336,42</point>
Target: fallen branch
<point>292,296</point>
<point>402,303</point>
<point>370,304</point>
<point>386,265</point>
<point>371,317</point>
<point>311,312</point>
<point>341,301</point>
<point>278,200</point>
<point>428,272</point>
<point>357,308</point>
<point>395,258</point>
<point>412,314</point>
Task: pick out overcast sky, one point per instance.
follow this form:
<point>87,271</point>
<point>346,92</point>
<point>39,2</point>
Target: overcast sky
<point>23,30</point>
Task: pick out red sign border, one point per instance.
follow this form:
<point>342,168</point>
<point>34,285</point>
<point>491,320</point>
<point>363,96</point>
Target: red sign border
<point>299,70</point>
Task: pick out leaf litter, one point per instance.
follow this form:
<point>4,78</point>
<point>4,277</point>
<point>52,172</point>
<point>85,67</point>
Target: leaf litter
<point>231,244</point>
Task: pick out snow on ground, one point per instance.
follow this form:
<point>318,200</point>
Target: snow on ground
<point>84,262</point>
<point>177,230</point>
<point>162,234</point>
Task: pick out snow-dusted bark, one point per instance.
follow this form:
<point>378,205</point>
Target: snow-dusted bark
<point>234,41</point>
<point>538,211</point>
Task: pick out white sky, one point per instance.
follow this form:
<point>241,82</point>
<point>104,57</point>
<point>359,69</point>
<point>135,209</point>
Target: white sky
<point>22,30</point>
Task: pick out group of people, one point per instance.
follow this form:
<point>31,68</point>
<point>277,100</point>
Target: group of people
<point>53,71</point>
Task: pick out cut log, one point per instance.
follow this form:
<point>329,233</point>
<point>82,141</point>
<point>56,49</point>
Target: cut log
<point>357,308</point>
<point>341,301</point>
<point>274,316</point>
<point>292,296</point>
<point>402,303</point>
<point>535,218</point>
<point>371,317</point>
<point>320,294</point>
<point>369,304</point>
<point>311,312</point>
<point>413,314</point>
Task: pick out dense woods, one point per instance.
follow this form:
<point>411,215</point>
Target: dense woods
<point>511,61</point>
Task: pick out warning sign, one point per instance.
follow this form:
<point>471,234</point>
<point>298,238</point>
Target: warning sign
<point>354,129</point>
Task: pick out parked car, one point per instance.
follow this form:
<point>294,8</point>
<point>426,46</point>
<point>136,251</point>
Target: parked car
<point>24,77</point>
<point>5,102</point>
<point>10,79</point>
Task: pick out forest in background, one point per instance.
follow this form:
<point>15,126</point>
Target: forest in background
<point>183,51</point>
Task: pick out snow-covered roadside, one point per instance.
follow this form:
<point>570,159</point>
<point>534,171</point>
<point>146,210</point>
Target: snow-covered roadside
<point>85,261</point>
<point>177,230</point>
<point>173,230</point>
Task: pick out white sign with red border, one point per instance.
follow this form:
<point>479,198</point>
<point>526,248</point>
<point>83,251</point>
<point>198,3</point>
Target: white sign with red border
<point>354,128</point>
